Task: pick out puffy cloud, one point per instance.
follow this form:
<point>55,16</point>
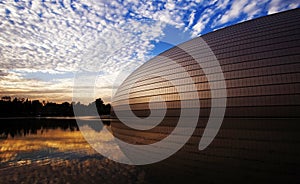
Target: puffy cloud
<point>234,11</point>
<point>15,84</point>
<point>61,37</point>
<point>202,22</point>
<point>68,36</point>
<point>281,5</point>
<point>191,19</point>
<point>242,10</point>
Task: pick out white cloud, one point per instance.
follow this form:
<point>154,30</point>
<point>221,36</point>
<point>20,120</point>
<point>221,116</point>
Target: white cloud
<point>170,5</point>
<point>191,20</point>
<point>242,10</point>
<point>234,11</point>
<point>87,35</point>
<point>202,22</point>
<point>222,4</point>
<point>294,5</point>
<point>251,9</point>
<point>15,84</point>
<point>60,37</point>
<point>276,6</point>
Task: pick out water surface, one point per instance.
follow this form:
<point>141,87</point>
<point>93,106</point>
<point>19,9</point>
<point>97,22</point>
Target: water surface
<point>53,150</point>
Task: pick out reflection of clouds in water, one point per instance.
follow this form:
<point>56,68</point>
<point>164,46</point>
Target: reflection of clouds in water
<point>48,144</point>
<point>4,157</point>
<point>57,144</point>
<point>58,156</point>
<point>104,141</point>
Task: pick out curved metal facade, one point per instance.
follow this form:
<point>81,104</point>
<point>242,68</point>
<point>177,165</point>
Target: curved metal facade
<point>259,138</point>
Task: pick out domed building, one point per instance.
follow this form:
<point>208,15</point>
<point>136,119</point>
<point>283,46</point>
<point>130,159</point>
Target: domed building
<point>247,76</point>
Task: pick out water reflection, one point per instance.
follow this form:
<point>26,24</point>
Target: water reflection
<point>46,150</point>
<point>11,127</point>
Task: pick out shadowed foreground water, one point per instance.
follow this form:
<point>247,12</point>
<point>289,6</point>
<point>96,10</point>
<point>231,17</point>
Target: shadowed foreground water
<point>52,150</point>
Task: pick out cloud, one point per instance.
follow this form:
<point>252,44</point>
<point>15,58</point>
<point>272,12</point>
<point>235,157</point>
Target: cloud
<point>191,20</point>
<point>202,22</point>
<point>242,10</point>
<point>170,5</point>
<point>222,4</point>
<point>59,36</point>
<point>16,84</point>
<point>281,5</point>
<point>252,9</point>
<point>62,37</point>
<point>234,11</point>
<point>3,73</point>
<point>274,6</point>
<point>210,9</point>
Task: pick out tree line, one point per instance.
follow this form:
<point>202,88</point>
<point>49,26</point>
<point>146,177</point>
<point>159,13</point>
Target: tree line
<point>20,107</point>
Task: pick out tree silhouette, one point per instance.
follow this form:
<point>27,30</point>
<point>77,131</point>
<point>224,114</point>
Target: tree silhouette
<point>20,107</point>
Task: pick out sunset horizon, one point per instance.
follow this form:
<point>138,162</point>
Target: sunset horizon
<point>43,48</point>
<point>149,92</point>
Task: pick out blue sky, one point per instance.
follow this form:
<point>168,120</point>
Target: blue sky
<point>43,43</point>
